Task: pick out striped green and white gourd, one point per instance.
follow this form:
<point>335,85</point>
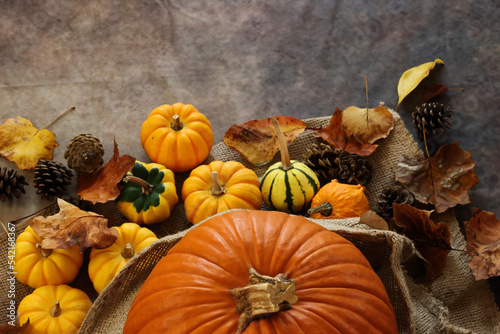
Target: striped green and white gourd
<point>289,185</point>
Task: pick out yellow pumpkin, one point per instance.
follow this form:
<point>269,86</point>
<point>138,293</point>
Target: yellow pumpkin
<point>105,263</point>
<point>218,187</point>
<point>54,309</point>
<point>37,267</point>
<point>338,200</point>
<point>177,136</point>
<point>149,194</point>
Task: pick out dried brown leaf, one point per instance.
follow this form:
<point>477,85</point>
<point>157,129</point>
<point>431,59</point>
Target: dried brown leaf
<point>337,137</point>
<point>257,140</point>
<point>434,91</point>
<point>367,125</point>
<point>102,186</point>
<point>442,180</point>
<point>483,244</point>
<point>14,328</point>
<point>72,226</point>
<point>431,240</point>
<point>372,219</point>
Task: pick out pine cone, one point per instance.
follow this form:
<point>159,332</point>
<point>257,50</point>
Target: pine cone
<point>11,184</point>
<point>51,178</point>
<point>354,169</point>
<point>323,160</point>
<point>395,194</point>
<point>331,163</point>
<point>84,154</point>
<point>434,117</point>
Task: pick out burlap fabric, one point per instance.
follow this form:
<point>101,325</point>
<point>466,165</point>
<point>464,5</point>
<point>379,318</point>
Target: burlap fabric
<point>453,303</point>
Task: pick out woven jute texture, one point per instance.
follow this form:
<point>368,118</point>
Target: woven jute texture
<point>453,303</point>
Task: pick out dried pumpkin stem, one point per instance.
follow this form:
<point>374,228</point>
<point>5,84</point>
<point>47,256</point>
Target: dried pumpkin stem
<point>285,156</point>
<point>146,187</point>
<point>176,124</point>
<point>324,208</point>
<point>128,251</point>
<point>265,295</point>
<point>217,188</point>
<point>55,310</point>
<point>45,252</point>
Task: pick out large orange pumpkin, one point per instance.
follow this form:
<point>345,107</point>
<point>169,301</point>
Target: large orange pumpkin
<point>202,282</point>
<point>177,136</point>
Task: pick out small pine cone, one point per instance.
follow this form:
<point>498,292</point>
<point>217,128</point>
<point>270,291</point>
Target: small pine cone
<point>434,117</point>
<point>323,159</point>
<point>11,184</point>
<point>354,169</point>
<point>51,178</point>
<point>395,194</point>
<point>84,154</point>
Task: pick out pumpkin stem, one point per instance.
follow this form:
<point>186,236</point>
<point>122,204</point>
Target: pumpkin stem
<point>324,208</point>
<point>128,251</point>
<point>217,188</point>
<point>263,296</point>
<point>146,187</point>
<point>176,124</point>
<point>55,310</point>
<point>285,156</point>
<point>45,252</point>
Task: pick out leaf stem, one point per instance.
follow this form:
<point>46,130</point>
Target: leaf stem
<point>55,119</point>
<point>366,89</point>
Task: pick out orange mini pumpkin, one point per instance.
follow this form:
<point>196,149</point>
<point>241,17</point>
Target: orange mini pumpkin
<point>218,187</point>
<point>303,279</point>
<point>177,136</point>
<point>338,200</point>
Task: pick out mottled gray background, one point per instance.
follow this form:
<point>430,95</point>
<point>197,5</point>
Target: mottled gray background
<point>236,61</point>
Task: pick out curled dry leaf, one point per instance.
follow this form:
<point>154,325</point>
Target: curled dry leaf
<point>442,180</point>
<point>431,241</point>
<point>367,125</point>
<point>372,219</point>
<point>72,226</point>
<point>483,244</point>
<point>102,186</point>
<point>13,326</point>
<point>257,140</point>
<point>337,137</point>
<point>411,78</point>
<point>434,91</point>
<point>24,144</point>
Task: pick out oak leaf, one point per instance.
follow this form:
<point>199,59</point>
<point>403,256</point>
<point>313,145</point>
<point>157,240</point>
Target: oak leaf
<point>483,244</point>
<point>257,140</point>
<point>72,226</point>
<point>102,186</point>
<point>442,180</point>
<point>24,144</point>
<point>411,78</point>
<point>337,137</point>
<point>367,125</point>
<point>431,240</point>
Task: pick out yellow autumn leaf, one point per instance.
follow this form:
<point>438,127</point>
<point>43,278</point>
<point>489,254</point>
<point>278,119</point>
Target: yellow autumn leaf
<point>367,125</point>
<point>412,77</point>
<point>24,144</point>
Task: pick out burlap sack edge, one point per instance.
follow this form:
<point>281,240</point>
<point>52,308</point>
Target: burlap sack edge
<point>401,249</point>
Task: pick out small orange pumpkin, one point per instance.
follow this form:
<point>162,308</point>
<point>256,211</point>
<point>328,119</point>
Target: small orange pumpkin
<point>177,136</point>
<point>218,187</point>
<point>338,200</point>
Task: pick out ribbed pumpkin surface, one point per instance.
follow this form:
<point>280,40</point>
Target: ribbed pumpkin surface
<point>188,290</point>
<point>35,270</point>
<point>289,191</point>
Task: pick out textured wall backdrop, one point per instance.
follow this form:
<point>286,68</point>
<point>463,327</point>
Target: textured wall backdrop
<point>240,60</point>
